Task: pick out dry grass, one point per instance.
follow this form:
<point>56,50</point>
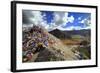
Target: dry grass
<point>71,42</point>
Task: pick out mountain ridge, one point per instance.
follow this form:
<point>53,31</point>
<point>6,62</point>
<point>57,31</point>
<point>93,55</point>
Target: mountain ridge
<point>68,33</point>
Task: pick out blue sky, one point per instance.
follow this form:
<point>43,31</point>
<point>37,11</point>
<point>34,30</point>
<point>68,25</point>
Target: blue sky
<point>58,20</point>
<point>79,17</point>
<point>48,16</point>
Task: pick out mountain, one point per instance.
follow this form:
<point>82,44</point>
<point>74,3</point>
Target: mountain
<point>69,33</point>
<point>83,32</point>
<point>36,50</point>
<point>60,34</point>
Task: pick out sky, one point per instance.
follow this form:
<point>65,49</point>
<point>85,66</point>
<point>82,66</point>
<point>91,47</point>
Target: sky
<point>51,20</point>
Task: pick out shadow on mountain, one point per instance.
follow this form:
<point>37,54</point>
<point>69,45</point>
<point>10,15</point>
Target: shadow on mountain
<point>69,33</point>
<point>60,34</point>
<point>46,55</point>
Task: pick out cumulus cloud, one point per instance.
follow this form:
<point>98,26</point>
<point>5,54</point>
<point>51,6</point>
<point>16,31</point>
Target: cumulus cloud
<point>86,22</point>
<point>31,18</point>
<point>37,19</point>
<point>73,28</point>
<point>83,21</point>
<point>59,20</point>
<point>79,18</point>
<point>62,18</point>
<point>70,28</point>
<point>71,19</point>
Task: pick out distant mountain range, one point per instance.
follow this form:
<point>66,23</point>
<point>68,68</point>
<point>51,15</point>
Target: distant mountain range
<point>69,33</point>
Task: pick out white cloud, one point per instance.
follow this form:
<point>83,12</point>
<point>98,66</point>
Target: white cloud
<point>32,17</point>
<point>86,22</point>
<point>71,19</point>
<point>72,28</point>
<point>57,17</point>
<point>79,18</point>
<point>60,19</point>
<point>26,27</point>
<point>88,27</point>
<point>83,21</point>
<point>37,19</point>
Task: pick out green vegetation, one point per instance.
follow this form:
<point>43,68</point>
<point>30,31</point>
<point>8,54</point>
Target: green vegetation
<point>85,53</point>
<point>77,37</point>
<point>54,58</point>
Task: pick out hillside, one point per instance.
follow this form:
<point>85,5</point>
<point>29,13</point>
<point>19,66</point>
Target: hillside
<point>69,33</point>
<point>60,34</point>
<point>41,46</point>
<point>79,38</point>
